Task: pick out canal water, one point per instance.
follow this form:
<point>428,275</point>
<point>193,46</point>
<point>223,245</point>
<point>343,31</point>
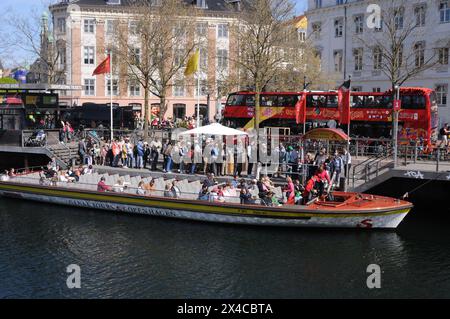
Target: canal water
<point>124,256</point>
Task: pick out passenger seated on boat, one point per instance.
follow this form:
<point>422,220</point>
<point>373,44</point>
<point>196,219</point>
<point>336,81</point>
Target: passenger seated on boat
<point>102,187</point>
<point>298,192</point>
<point>310,191</point>
<point>43,181</point>
<point>168,191</point>
<point>88,170</point>
<point>175,189</point>
<point>263,192</point>
<point>246,197</point>
<point>289,189</point>
<point>229,190</point>
<point>120,186</point>
<point>204,194</point>
<point>210,180</point>
<point>150,187</point>
<point>12,172</point>
<point>323,179</point>
<point>140,190</point>
<point>216,195</point>
<point>272,200</point>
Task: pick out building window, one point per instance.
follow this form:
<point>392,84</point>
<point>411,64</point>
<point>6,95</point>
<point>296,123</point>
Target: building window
<point>135,56</point>
<point>400,56</point>
<point>203,88</point>
<point>377,58</point>
<point>399,18</point>
<point>202,4</point>
<point>338,27</point>
<point>179,111</point>
<point>202,29</point>
<point>115,87</point>
<point>178,88</point>
<point>317,29</point>
<point>420,13</point>
<point>419,54</point>
<point>89,26</point>
<point>222,31</point>
<point>61,25</point>
<point>376,90</point>
<point>179,57</point>
<point>338,60</point>
<point>135,88</point>
<point>318,4</point>
<point>203,61</point>
<point>222,59</point>
<point>359,24</point>
<point>379,29</point>
<point>133,27</point>
<point>302,36</point>
<point>62,57</point>
<point>339,2</point>
<point>89,87</point>
<point>358,57</point>
<point>110,27</point>
<point>441,94</point>
<point>443,56</point>
<point>444,11</point>
<point>357,88</point>
<point>89,55</point>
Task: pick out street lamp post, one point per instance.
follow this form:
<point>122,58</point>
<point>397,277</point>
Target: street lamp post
<point>395,128</point>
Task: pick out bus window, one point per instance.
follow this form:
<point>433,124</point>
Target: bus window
<point>235,100</point>
<point>269,100</point>
<point>316,101</point>
<point>287,100</point>
<point>250,100</point>
<point>332,101</point>
<point>357,101</point>
<point>413,102</point>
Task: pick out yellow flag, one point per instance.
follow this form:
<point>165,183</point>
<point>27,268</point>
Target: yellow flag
<point>192,65</point>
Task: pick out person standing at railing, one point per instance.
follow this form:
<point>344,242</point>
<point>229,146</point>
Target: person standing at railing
<point>347,159</point>
<point>140,149</point>
<point>155,150</point>
<point>82,151</point>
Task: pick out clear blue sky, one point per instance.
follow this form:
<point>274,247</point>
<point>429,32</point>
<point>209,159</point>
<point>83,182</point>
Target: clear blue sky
<point>30,8</point>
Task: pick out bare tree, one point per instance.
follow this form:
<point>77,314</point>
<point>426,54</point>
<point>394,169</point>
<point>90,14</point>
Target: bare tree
<point>301,62</point>
<point>34,36</point>
<point>260,33</point>
<point>154,45</point>
<point>397,49</point>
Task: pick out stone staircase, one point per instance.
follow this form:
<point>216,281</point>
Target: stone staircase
<point>65,154</point>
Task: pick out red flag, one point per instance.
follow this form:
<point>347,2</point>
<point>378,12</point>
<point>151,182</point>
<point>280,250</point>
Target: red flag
<point>344,103</point>
<point>300,110</point>
<point>103,67</point>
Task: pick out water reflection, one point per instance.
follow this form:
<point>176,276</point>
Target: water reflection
<point>130,256</point>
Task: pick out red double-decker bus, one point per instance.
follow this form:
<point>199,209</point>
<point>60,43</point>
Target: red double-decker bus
<point>371,113</point>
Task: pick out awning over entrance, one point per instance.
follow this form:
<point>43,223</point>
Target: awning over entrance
<point>330,134</point>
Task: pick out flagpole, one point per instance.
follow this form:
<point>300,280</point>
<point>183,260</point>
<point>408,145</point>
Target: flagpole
<point>347,177</point>
<point>198,98</point>
<point>111,94</point>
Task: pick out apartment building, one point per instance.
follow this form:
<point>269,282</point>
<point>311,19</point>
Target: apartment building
<point>337,26</point>
<point>84,27</point>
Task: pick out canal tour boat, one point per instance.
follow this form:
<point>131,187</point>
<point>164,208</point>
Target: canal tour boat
<point>347,210</point>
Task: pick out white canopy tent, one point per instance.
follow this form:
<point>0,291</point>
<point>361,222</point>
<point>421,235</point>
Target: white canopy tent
<point>214,129</point>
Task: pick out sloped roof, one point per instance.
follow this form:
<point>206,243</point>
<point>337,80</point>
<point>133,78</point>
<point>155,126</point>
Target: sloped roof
<point>213,5</point>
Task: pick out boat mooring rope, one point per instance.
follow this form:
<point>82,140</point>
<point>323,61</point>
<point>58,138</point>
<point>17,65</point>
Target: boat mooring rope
<point>406,195</point>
